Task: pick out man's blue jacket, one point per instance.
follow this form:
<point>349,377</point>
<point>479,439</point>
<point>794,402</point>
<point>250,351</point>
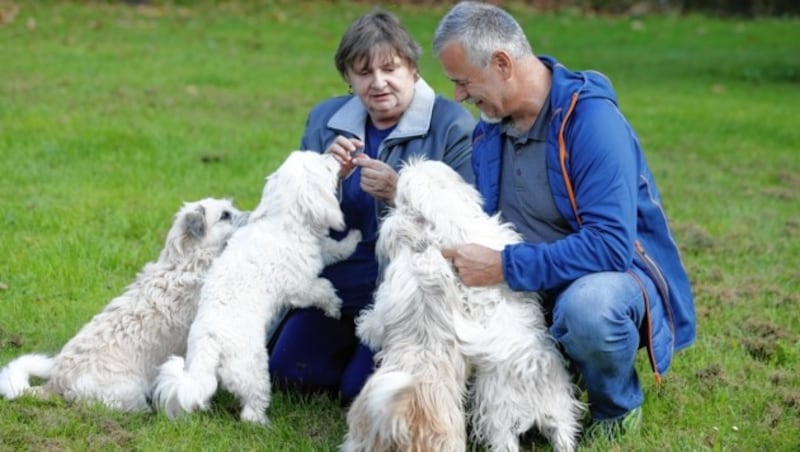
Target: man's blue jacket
<point>604,189</point>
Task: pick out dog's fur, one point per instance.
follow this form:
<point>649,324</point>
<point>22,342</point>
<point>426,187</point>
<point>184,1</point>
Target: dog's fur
<point>270,264</point>
<point>115,357</point>
<point>414,401</point>
<point>446,350</point>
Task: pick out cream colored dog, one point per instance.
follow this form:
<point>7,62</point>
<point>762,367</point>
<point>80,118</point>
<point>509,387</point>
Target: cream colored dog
<point>115,357</point>
<point>272,263</point>
<point>448,354</point>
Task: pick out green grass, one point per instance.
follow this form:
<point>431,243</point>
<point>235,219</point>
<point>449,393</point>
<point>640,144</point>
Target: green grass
<point>112,116</point>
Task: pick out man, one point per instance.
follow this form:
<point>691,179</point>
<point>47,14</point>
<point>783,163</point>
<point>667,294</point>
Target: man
<point>556,157</point>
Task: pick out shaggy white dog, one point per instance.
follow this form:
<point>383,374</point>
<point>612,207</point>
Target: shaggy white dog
<point>446,350</point>
<point>271,263</point>
<point>414,401</point>
<point>115,357</point>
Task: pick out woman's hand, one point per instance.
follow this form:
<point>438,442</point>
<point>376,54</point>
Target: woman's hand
<point>344,150</point>
<point>377,178</point>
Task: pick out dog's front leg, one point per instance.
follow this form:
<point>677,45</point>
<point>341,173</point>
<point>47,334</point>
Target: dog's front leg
<point>319,293</point>
<point>338,250</point>
<point>370,328</point>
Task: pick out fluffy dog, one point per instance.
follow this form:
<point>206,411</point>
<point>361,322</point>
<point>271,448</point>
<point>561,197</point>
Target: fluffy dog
<point>414,401</point>
<point>115,357</point>
<point>446,349</point>
<point>270,264</point>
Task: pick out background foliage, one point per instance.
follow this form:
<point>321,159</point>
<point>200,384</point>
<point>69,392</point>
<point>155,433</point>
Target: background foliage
<point>724,8</point>
<point>113,114</point>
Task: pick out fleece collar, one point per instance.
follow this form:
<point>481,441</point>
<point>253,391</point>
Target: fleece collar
<point>352,116</point>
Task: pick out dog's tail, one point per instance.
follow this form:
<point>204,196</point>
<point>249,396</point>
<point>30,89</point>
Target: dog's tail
<point>15,377</point>
<point>381,403</point>
<point>388,391</point>
<point>177,390</point>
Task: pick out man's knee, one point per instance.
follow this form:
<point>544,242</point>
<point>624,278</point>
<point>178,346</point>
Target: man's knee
<point>597,308</point>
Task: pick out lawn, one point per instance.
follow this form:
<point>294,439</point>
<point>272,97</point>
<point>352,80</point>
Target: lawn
<point>112,115</point>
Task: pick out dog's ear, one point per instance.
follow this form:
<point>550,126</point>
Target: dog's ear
<point>315,188</point>
<point>194,223</point>
<point>321,210</point>
<point>189,226</point>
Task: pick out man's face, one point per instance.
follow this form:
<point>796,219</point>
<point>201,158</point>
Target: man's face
<point>479,86</point>
<point>385,85</point>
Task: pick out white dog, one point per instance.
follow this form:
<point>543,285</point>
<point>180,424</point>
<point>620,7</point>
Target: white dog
<point>115,357</point>
<point>271,263</point>
<point>439,340</point>
<point>415,399</point>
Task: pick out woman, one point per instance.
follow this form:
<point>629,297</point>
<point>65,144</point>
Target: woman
<point>391,115</point>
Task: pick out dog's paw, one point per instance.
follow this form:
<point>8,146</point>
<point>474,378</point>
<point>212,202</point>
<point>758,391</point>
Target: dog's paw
<point>334,309</point>
<point>255,416</point>
<point>334,313</point>
<point>352,239</point>
<point>369,329</point>
<point>339,250</point>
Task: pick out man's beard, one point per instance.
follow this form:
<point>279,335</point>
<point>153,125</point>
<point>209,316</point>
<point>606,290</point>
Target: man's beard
<point>490,119</point>
<point>484,116</point>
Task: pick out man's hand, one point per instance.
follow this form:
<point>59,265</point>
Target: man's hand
<point>476,265</point>
<point>377,178</point>
<point>344,150</point>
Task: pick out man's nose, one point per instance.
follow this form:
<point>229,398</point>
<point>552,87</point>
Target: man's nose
<point>460,94</point>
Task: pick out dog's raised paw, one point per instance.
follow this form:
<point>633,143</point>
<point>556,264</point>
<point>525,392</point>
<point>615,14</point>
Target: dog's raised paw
<point>334,312</point>
<point>354,236</point>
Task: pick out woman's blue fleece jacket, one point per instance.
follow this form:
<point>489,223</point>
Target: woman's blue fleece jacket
<point>604,189</point>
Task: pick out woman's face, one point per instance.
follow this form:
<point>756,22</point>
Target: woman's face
<point>385,85</point>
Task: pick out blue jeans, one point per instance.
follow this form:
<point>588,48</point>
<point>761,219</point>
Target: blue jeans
<point>597,321</point>
<point>311,352</point>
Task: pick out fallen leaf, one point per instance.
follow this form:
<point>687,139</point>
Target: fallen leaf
<point>8,13</point>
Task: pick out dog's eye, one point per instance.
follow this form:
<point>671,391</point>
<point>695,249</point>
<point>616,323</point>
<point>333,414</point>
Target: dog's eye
<point>226,216</point>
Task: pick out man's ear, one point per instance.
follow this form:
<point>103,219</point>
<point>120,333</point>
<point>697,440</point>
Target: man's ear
<point>503,62</point>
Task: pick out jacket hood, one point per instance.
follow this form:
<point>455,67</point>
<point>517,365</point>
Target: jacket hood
<point>587,84</point>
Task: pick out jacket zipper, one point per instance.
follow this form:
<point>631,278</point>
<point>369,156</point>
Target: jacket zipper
<point>661,282</point>
<point>651,355</point>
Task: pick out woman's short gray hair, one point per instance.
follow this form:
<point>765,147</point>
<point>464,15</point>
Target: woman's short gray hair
<point>482,29</point>
<point>375,31</point>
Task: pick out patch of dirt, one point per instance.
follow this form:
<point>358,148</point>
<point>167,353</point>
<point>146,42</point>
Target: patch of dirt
<point>763,342</point>
<point>712,376</point>
<point>113,436</point>
<point>789,179</point>
<point>788,187</point>
<point>792,227</point>
<point>692,238</point>
<point>791,399</point>
<point>781,193</point>
<point>772,415</point>
<point>717,296</point>
<point>781,378</point>
<point>703,312</point>
<point>10,340</point>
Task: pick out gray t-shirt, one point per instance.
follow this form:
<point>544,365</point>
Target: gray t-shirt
<point>525,196</point>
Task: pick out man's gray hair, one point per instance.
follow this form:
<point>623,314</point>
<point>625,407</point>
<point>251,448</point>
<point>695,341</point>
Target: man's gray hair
<point>482,29</point>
